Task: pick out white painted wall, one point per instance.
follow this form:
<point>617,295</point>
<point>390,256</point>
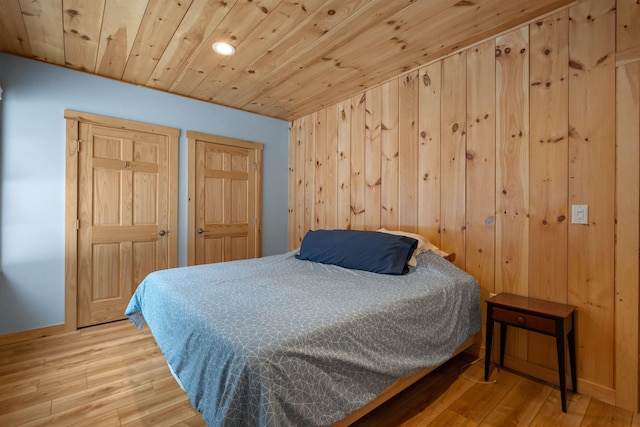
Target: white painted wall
<point>32,171</point>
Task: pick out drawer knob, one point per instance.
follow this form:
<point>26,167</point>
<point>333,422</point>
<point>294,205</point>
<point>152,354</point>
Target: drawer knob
<point>521,320</point>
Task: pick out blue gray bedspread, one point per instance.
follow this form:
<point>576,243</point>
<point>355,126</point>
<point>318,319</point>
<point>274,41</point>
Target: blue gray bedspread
<point>278,341</point>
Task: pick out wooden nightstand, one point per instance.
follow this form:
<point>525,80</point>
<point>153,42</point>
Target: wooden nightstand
<point>535,315</point>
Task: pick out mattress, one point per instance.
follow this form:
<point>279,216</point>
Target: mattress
<point>278,341</point>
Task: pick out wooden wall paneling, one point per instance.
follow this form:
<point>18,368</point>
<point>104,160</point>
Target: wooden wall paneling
<point>81,22</point>
<point>330,169</point>
<point>202,18</point>
<point>429,183</point>
<point>373,131</point>
<point>353,56</point>
<point>284,18</point>
<point>120,25</point>
<point>358,162</point>
<point>292,185</point>
<point>627,236</point>
<point>161,20</point>
<point>14,33</point>
<point>481,167</point>
<point>343,170</point>
<point>592,182</point>
<point>360,18</point>
<point>446,28</point>
<point>310,173</point>
<point>356,62</point>
<point>512,171</point>
<point>319,174</point>
<point>512,161</point>
<point>408,152</point>
<point>389,166</point>
<point>453,155</point>
<point>628,30</point>
<point>549,177</point>
<point>533,174</point>
<point>315,31</point>
<point>247,13</point>
<point>538,112</point>
<point>43,22</point>
<point>299,180</point>
<point>438,24</point>
<point>442,28</point>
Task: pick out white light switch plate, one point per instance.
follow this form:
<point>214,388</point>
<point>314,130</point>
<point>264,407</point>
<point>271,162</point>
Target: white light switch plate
<point>580,214</point>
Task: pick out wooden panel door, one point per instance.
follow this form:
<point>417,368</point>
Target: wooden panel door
<point>224,199</point>
<point>123,224</point>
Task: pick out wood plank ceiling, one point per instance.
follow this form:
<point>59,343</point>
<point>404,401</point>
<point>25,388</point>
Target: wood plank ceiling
<point>293,56</point>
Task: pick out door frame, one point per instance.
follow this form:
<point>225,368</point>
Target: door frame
<point>192,137</point>
<point>73,146</point>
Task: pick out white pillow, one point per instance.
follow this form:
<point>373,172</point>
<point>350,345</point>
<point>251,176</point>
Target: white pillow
<point>424,244</point>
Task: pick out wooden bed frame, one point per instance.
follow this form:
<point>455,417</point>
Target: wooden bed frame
<point>395,388</point>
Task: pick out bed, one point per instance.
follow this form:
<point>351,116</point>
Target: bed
<point>283,341</point>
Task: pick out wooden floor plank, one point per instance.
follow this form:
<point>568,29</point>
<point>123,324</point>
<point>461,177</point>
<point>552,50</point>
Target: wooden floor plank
<point>103,404</point>
<point>166,382</point>
<point>195,421</point>
<point>549,415</point>
<point>601,414</point>
<point>163,415</point>
<point>20,402</point>
<point>107,391</point>
<point>427,399</point>
<point>450,418</point>
<point>13,389</point>
<point>9,366</point>
<point>114,375</point>
<point>19,417</point>
<point>58,344</point>
<point>481,399</point>
<point>77,353</point>
<point>520,405</point>
<point>153,360</point>
<point>107,419</point>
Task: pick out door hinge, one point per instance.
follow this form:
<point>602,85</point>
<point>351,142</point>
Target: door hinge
<point>77,224</point>
<point>255,221</point>
<point>255,166</point>
<point>78,141</point>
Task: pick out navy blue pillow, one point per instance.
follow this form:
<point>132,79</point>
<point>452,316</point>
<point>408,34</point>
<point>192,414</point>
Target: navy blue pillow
<point>359,250</point>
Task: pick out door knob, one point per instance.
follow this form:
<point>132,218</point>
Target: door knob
<point>162,232</point>
<point>200,231</point>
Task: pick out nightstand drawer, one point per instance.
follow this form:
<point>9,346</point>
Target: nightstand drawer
<point>525,320</point>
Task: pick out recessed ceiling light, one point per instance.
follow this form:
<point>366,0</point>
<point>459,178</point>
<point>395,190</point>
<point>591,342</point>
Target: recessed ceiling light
<point>223,48</point>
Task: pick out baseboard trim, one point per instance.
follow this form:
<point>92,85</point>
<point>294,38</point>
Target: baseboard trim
<point>15,337</point>
<point>587,388</point>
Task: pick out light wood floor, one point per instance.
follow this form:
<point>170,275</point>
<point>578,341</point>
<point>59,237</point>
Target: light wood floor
<point>114,375</point>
